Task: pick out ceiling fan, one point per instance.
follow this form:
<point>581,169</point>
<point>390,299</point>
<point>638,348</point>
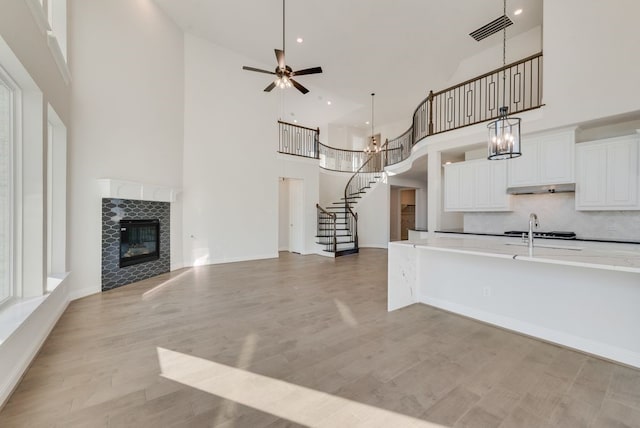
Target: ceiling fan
<point>284,74</point>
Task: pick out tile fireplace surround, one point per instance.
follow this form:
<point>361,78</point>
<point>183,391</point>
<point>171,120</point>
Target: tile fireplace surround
<point>126,200</point>
<point>114,210</point>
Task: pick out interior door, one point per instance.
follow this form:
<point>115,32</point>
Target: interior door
<point>296,204</point>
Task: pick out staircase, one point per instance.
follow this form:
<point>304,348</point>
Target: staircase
<point>338,223</point>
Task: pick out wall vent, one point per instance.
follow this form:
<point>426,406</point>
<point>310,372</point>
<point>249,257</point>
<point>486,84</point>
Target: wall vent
<point>493,27</point>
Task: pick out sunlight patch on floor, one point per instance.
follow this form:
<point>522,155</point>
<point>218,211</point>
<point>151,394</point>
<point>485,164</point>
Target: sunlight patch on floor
<point>346,314</point>
<point>283,399</point>
<point>149,293</point>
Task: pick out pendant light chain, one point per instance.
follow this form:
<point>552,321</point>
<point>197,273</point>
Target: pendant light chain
<point>504,56</point>
<point>283,25</point>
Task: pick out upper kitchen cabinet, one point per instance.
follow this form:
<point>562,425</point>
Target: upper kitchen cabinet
<point>459,178</point>
<point>478,185</point>
<point>546,159</point>
<point>607,174</point>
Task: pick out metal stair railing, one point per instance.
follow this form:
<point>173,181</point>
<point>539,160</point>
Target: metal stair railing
<point>357,184</point>
<point>332,230</point>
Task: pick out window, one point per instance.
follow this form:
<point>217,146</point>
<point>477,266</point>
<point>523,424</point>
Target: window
<point>56,197</point>
<point>6,185</point>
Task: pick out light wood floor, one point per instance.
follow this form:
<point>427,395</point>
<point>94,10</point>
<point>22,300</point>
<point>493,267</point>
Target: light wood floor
<point>307,325</point>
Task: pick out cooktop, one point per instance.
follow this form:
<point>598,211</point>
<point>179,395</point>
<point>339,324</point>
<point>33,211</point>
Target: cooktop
<point>537,234</point>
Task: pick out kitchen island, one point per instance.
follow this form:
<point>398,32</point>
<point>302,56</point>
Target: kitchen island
<point>581,295</point>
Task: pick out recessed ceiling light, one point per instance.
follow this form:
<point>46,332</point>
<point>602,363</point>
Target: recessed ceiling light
<point>367,122</point>
<point>295,121</point>
<point>299,40</point>
<point>329,103</point>
<point>517,12</point>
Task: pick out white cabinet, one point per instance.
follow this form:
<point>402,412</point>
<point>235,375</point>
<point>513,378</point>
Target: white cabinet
<point>607,174</point>
<point>478,185</point>
<point>546,159</point>
<point>457,190</point>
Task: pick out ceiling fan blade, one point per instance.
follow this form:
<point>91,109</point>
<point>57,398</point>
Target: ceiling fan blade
<point>270,87</point>
<point>280,58</point>
<point>313,70</point>
<point>257,69</point>
<point>299,86</point>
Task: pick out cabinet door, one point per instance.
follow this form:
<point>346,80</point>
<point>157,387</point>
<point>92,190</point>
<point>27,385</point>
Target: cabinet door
<point>591,177</point>
<point>498,186</point>
<point>556,158</point>
<point>467,186</point>
<point>451,187</point>
<point>458,187</point>
<point>483,185</point>
<point>523,171</point>
<point>491,186</point>
<point>622,174</point>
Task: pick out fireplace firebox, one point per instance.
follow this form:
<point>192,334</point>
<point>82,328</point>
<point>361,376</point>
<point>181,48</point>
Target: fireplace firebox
<point>139,241</point>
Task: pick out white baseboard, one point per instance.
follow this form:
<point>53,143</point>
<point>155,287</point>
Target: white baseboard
<point>604,350</point>
<point>383,246</point>
<point>242,259</point>
<point>83,292</point>
<point>324,254</point>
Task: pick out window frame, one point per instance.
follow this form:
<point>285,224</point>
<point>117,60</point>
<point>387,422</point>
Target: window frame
<point>15,212</point>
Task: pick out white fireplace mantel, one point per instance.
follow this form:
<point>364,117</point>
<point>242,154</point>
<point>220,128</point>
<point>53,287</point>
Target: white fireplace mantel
<point>121,189</point>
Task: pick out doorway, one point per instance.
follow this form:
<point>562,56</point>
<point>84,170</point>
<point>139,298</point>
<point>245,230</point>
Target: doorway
<point>407,212</point>
<point>291,215</point>
<point>402,217</point>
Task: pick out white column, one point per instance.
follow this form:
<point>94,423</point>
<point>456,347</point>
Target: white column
<point>434,191</point>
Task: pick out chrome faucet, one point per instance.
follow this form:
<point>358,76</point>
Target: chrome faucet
<point>533,222</point>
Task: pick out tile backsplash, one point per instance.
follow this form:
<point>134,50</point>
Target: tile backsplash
<point>557,212</point>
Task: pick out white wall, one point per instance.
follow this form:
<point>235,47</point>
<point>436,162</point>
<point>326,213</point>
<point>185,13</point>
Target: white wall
<point>590,63</point>
<point>347,137</point>
<point>127,64</point>
<point>518,47</point>
<point>306,170</point>
<point>373,216</point>
<point>283,214</point>
<point>332,184</point>
<point>230,169</point>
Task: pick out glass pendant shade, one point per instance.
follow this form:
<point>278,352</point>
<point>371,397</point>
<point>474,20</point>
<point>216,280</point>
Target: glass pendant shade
<point>504,137</point>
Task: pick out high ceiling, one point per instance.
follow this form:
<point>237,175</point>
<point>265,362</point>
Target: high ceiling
<point>398,49</point>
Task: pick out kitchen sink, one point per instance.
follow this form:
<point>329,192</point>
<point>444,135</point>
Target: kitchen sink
<point>553,247</point>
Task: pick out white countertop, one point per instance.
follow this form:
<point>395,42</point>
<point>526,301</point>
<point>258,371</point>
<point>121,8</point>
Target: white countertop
<point>618,257</point>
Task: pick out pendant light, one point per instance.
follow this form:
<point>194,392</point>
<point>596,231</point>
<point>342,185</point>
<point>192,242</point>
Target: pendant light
<point>372,146</point>
<point>504,132</point>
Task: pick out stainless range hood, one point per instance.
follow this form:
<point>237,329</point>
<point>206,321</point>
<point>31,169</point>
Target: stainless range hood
<point>551,188</point>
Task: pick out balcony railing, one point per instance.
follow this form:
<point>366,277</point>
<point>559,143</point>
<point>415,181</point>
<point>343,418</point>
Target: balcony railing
<point>341,159</point>
<point>298,140</point>
<point>475,101</point>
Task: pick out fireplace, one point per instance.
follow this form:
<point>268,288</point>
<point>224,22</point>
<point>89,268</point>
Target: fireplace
<point>139,241</point>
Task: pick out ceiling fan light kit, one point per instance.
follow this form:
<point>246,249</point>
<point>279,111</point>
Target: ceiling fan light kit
<point>284,74</point>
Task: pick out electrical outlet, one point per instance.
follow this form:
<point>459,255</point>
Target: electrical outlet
<point>486,291</point>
